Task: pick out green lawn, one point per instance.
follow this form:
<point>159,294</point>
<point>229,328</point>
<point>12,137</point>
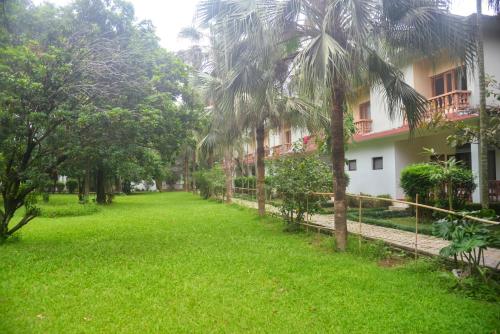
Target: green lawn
<point>172,263</point>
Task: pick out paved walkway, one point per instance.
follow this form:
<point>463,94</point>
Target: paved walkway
<point>426,244</point>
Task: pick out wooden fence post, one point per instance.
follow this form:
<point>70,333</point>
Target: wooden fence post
<point>359,218</point>
<point>416,227</point>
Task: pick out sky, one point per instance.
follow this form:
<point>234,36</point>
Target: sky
<point>170,16</point>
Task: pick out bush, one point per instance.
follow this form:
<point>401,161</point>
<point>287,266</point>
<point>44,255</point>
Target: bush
<point>211,182</point>
<point>72,185</point>
<point>245,182</point>
<point>294,177</point>
<point>432,183</point>
<point>60,186</point>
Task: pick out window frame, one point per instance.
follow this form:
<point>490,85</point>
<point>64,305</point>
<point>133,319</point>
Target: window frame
<point>349,165</point>
<point>376,159</point>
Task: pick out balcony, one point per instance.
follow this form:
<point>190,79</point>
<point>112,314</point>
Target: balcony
<point>280,149</point>
<point>453,102</point>
<point>446,105</point>
<point>363,126</point>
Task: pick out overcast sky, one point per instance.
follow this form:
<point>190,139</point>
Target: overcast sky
<point>170,16</point>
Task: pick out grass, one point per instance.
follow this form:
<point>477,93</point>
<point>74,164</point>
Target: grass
<point>65,206</point>
<point>174,263</point>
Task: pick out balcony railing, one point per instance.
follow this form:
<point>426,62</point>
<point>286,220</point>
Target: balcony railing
<point>363,126</point>
<point>449,103</point>
<point>452,103</point>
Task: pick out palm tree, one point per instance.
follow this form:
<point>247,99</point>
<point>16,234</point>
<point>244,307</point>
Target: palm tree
<point>254,71</point>
<point>483,115</point>
<point>346,42</point>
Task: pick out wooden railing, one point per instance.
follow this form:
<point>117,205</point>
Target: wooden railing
<point>363,126</point>
<point>281,149</point>
<point>494,190</point>
<point>450,103</point>
<point>447,104</point>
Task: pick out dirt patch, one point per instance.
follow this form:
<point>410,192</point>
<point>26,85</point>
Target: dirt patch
<point>391,262</point>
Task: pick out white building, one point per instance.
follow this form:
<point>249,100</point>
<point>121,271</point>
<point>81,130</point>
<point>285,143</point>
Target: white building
<point>382,147</point>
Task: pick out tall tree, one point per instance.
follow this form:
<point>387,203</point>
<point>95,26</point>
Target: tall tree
<point>348,42</point>
<point>255,70</point>
<point>483,114</point>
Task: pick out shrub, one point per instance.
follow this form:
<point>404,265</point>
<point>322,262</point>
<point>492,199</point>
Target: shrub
<point>60,186</point>
<point>432,183</point>
<point>294,177</point>
<point>211,182</point>
<point>72,185</point>
<point>245,182</point>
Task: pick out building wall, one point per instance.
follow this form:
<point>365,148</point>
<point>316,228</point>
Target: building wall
<point>367,180</point>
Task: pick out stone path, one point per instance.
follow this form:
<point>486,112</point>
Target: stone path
<point>402,239</point>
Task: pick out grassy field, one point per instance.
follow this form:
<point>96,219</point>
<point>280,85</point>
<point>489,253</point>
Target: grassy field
<point>174,263</point>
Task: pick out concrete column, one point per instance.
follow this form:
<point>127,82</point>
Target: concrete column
<point>474,154</point>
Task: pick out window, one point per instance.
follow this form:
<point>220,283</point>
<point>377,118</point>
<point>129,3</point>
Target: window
<point>288,137</point>
<point>364,111</point>
<point>351,165</point>
<point>378,163</point>
<point>449,81</point>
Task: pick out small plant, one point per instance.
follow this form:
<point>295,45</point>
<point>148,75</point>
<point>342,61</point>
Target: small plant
<point>294,179</point>
<point>468,241</point>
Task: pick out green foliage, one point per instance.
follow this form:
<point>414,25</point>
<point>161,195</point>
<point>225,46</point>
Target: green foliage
<point>245,182</point>
<point>432,181</point>
<point>60,186</point>
<point>211,183</point>
<point>469,240</point>
<point>294,178</point>
<point>84,89</point>
<point>72,185</point>
<point>66,206</point>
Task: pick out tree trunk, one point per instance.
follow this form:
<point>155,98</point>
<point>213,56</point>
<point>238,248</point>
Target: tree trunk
<point>159,184</point>
<point>186,172</point>
<point>261,195</point>
<point>338,161</point>
<point>193,170</point>
<point>210,159</point>
<point>228,171</point>
<point>483,116</point>
<point>100,186</point>
<point>86,185</point>
<point>118,184</point>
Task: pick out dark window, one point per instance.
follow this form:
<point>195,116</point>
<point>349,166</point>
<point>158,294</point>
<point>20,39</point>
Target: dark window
<point>438,85</point>
<point>351,164</point>
<point>288,137</point>
<point>492,175</point>
<point>378,163</point>
<point>364,111</point>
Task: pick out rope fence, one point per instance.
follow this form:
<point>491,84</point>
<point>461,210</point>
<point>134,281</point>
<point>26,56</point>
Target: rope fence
<point>362,199</point>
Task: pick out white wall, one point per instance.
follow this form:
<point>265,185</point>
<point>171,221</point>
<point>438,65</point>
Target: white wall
<point>367,180</point>
<point>378,106</point>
